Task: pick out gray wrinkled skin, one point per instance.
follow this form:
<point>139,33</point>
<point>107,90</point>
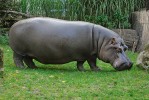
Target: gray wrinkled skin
<point>54,41</point>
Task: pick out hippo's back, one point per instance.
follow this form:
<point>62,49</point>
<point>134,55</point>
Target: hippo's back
<point>51,40</point>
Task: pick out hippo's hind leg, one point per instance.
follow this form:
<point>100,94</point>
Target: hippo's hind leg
<point>80,65</point>
<point>92,62</point>
<point>18,60</point>
<point>29,62</point>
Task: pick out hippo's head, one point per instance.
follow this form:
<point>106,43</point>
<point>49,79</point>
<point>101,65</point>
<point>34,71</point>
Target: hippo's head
<point>113,52</point>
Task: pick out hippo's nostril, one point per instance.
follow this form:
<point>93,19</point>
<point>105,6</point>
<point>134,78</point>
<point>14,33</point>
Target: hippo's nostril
<point>130,65</point>
<point>121,67</point>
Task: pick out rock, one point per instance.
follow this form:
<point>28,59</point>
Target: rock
<point>143,58</point>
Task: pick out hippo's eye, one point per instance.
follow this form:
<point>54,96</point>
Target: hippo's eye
<point>125,49</point>
<point>119,50</point>
<point>122,44</point>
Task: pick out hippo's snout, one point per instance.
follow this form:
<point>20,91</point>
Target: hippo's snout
<point>124,66</point>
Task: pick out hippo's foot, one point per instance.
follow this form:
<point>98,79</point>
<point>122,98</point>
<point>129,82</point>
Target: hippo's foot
<point>92,62</point>
<point>81,69</point>
<point>33,67</point>
<point>18,60</point>
<point>95,68</point>
<point>21,66</point>
<point>29,62</point>
<point>80,65</point>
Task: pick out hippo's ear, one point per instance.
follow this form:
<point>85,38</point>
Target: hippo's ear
<point>113,41</point>
<point>125,47</point>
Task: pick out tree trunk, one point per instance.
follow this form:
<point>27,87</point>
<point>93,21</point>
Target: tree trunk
<point>140,23</point>
<point>1,63</point>
<point>147,4</point>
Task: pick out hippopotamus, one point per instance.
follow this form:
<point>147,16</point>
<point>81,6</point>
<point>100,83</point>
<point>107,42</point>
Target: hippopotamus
<point>56,41</point>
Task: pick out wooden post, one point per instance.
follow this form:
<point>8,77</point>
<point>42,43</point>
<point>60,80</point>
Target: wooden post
<point>1,64</point>
<point>140,23</point>
<point>147,4</point>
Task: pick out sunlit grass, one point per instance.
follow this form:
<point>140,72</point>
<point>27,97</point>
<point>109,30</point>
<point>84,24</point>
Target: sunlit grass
<point>52,82</point>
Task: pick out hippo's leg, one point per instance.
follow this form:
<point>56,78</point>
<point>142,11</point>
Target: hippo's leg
<point>18,60</point>
<point>29,62</point>
<point>80,65</point>
<point>92,62</point>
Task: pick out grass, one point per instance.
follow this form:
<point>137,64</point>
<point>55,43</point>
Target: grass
<point>65,82</point>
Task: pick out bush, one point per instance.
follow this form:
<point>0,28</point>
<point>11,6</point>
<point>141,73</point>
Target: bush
<point>4,36</point>
<point>109,13</point>
<point>4,39</point>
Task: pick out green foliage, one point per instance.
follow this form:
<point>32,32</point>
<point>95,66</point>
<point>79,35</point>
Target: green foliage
<point>109,13</point>
<point>5,4</point>
<point>8,4</point>
<point>4,39</point>
<point>64,82</point>
<point>3,36</point>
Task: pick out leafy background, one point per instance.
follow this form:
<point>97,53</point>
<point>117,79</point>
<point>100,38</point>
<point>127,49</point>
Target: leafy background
<point>109,13</point>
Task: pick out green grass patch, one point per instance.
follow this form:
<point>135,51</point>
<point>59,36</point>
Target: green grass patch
<point>65,82</point>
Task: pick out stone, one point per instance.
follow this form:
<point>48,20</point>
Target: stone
<point>143,58</point>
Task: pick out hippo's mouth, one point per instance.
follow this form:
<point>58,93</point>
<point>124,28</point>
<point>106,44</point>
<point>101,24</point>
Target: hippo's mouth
<point>122,66</point>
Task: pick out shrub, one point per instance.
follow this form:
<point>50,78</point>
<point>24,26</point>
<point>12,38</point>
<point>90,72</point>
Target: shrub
<point>109,13</point>
<point>3,37</point>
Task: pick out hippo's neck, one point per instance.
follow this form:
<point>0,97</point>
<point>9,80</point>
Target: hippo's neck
<point>102,37</point>
<point>95,38</point>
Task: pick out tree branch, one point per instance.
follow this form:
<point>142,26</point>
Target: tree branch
<point>17,13</point>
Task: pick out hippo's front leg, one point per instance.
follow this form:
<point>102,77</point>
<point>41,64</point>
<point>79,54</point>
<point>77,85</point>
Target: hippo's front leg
<point>80,65</point>
<point>92,62</point>
<point>18,60</point>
